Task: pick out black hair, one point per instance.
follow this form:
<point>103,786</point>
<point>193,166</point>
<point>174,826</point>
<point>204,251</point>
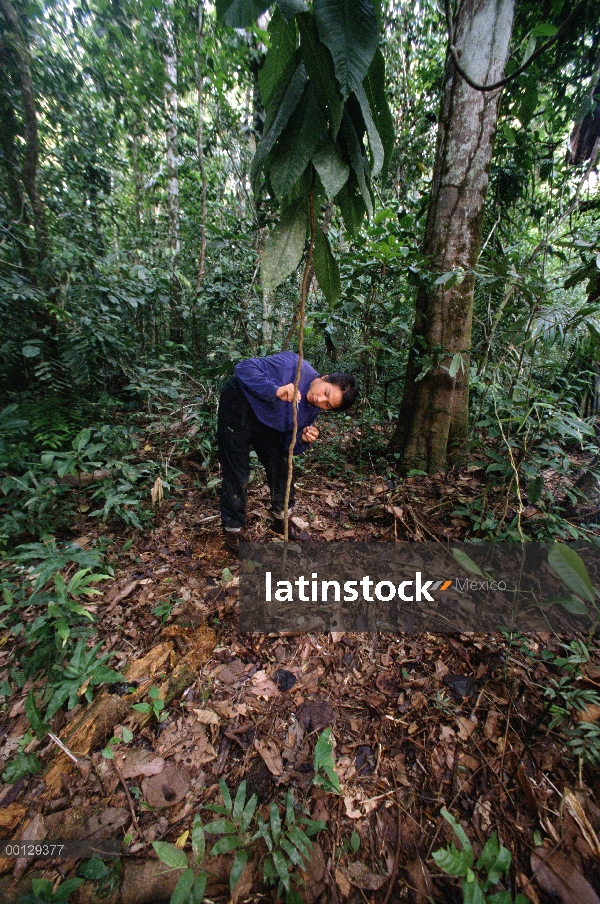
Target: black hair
<point>347,383</point>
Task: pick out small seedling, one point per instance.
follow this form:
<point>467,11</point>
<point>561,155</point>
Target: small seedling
<point>324,765</point>
<point>156,707</point>
<point>494,862</point>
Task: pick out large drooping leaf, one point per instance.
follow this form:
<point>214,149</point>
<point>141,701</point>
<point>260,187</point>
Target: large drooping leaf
<point>320,70</point>
<point>279,55</point>
<point>283,248</point>
<point>240,13</point>
<point>326,268</point>
<point>351,204</point>
<point>288,105</point>
<point>357,160</point>
<point>291,8</point>
<point>297,144</point>
<point>333,171</point>
<point>374,85</point>
<point>349,29</point>
<point>374,139</point>
<point>571,570</point>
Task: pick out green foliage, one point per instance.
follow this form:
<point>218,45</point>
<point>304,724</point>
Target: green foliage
<point>324,765</point>
<point>156,706</point>
<point>478,877</point>
<point>42,892</point>
<point>285,845</point>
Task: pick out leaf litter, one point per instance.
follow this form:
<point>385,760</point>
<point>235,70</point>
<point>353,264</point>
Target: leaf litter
<point>419,721</point>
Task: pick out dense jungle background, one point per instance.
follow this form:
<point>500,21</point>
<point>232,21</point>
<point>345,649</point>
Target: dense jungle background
<point>415,188</point>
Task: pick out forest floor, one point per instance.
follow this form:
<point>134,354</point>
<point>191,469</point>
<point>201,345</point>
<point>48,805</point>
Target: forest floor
<point>420,721</point>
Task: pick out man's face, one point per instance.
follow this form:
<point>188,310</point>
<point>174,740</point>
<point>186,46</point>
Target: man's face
<point>324,395</point>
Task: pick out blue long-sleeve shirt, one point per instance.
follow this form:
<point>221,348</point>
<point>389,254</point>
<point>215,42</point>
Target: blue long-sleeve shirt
<point>260,378</point>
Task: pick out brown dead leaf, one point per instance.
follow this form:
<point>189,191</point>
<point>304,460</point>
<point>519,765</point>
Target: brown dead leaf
<point>138,762</point>
<point>361,876</point>
<point>557,876</point>
<point>465,727</point>
<point>168,787</point>
<point>35,830</point>
<point>342,883</point>
<point>490,729</point>
<point>262,686</point>
<point>231,672</point>
<point>575,808</point>
<point>208,717</point>
<point>118,597</point>
<point>270,754</point>
<point>419,881</point>
<point>591,713</point>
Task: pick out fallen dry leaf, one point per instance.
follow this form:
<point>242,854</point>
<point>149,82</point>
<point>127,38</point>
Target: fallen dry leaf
<point>575,808</point>
<point>138,762</point>
<point>269,752</point>
<point>168,787</point>
<point>361,876</point>
<point>557,876</point>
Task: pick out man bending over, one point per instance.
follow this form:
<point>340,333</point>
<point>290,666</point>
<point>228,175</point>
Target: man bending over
<point>255,412</point>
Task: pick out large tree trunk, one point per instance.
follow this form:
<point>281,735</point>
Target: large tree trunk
<point>171,104</point>
<point>433,424</point>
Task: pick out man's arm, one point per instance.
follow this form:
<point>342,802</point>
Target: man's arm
<point>253,376</point>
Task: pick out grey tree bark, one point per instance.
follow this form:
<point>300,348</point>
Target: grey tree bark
<point>433,424</point>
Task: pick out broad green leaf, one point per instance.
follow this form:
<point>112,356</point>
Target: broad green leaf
<point>282,868</point>
<point>181,892</point>
<point>326,268</point>
<point>198,839</point>
<point>571,570</point>
<point>240,800</point>
<point>458,830</point>
<point>220,827</point>
<point>472,892</point>
<point>349,29</point>
<point>66,888</point>
<point>225,795</point>
<point>248,813</point>
<point>374,85</point>
<point>467,563</point>
<point>35,720</point>
<point>30,351</point>
<point>375,142</point>
<point>279,55</point>
<point>240,13</point>
<point>297,144</point>
<point>287,106</point>
<point>199,888</point>
<point>320,70</point>
<point>293,853</point>
<point>455,365</point>
<point>283,248</point>
<point>240,861</point>
<point>291,8</point>
<point>333,171</point>
<point>528,105</point>
<point>225,845</point>
<point>357,160</point>
<point>452,861</point>
<point>571,603</point>
<point>544,30</point>
<point>300,840</point>
<point>171,855</point>
<point>351,204</point>
<point>275,822</point>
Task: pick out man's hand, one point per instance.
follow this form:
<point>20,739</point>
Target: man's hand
<point>310,434</point>
<point>286,393</point>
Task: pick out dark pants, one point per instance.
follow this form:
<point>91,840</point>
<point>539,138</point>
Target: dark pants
<point>239,431</point>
